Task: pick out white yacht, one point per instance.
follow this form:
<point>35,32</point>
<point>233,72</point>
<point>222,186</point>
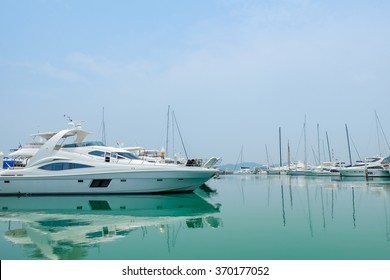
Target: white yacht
<point>93,169</point>
<point>296,169</point>
<point>328,168</point>
<point>371,167</point>
<point>22,154</point>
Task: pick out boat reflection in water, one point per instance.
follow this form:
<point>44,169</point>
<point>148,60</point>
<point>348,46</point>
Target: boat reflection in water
<point>61,227</point>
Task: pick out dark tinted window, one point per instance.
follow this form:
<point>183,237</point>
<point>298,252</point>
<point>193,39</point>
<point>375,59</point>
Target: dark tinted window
<point>83,144</point>
<point>128,155</point>
<point>63,166</point>
<point>97,153</point>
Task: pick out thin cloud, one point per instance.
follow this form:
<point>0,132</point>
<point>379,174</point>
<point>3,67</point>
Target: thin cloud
<point>49,70</point>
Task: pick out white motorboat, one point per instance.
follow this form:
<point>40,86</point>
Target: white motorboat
<point>328,168</point>
<point>371,167</point>
<point>296,169</point>
<point>86,169</point>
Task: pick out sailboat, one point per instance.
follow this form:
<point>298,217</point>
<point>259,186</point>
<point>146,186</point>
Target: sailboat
<point>276,170</point>
<point>325,168</point>
<point>243,169</point>
<point>299,168</point>
<point>270,170</point>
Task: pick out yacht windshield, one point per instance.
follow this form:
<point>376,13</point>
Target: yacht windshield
<point>372,159</point>
<point>84,144</point>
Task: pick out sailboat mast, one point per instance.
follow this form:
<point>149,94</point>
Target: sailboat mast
<point>377,134</point>
<point>383,133</point>
<point>327,140</point>
<point>266,152</point>
<point>349,147</point>
<point>173,133</point>
<point>318,140</point>
<point>280,149</point>
<point>305,142</point>
<point>103,130</point>
<point>288,154</point>
<point>166,144</point>
<point>242,151</point>
<point>181,138</point>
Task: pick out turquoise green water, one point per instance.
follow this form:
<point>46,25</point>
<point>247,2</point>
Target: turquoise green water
<point>247,217</point>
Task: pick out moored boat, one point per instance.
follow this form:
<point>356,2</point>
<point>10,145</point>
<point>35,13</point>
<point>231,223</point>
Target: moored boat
<point>329,168</point>
<point>70,170</point>
<point>371,167</point>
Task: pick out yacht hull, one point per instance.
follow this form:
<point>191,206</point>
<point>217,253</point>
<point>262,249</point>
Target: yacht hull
<point>105,183</point>
<point>296,172</point>
<point>321,173</point>
<point>348,172</point>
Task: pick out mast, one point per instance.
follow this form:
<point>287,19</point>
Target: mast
<point>318,140</point>
<point>305,142</point>
<point>288,155</point>
<point>266,151</point>
<point>383,133</point>
<point>173,134</point>
<point>103,130</point>
<point>241,155</point>
<point>327,140</point>
<point>377,134</point>
<point>349,147</point>
<point>181,138</point>
<point>238,159</point>
<point>166,144</point>
<point>315,156</point>
<point>280,149</point>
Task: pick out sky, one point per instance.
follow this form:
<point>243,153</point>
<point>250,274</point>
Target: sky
<point>233,72</point>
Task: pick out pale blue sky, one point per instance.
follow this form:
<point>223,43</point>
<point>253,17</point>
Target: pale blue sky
<point>233,72</point>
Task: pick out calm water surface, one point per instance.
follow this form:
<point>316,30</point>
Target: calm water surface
<point>247,217</point>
